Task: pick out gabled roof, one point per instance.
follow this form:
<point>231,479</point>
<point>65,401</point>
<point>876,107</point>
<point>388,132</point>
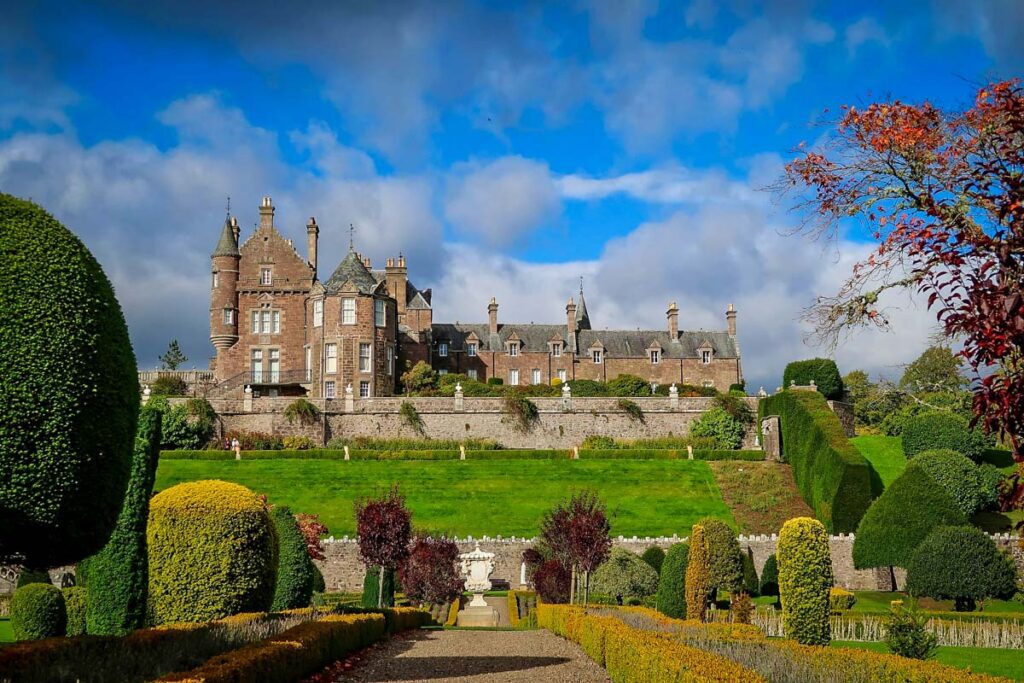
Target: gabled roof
<point>351,269</point>
<point>634,343</point>
<point>226,245</point>
<point>531,337</point>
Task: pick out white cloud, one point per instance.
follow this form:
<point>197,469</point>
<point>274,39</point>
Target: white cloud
<point>665,185</point>
<point>863,31</point>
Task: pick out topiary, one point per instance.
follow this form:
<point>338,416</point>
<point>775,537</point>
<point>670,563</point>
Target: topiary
<point>671,597</point>
<point>212,552</point>
<point>118,575</point>
<point>725,561</point>
<point>770,576</point>
<point>805,577</point>
<point>897,522</point>
<point>624,576</point>
<point>75,599</point>
<point>822,371</point>
<point>319,584</point>
<point>33,576</point>
<point>958,476</point>
<point>371,588</point>
<point>942,430</point>
<point>68,416</point>
<point>750,582</point>
<point>991,478</point>
<point>717,424</point>
<point>168,385</point>
<point>655,557</point>
<point>629,385</point>
<point>294,568</point>
<point>698,575</point>
<point>963,564</point>
<point>37,611</point>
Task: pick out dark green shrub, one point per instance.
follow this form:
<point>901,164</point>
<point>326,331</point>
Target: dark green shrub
<point>991,481</point>
<point>319,585</point>
<point>822,371</point>
<point>907,634</point>
<point>629,385</point>
<point>895,524</point>
<point>295,571</point>
<point>941,430</point>
<point>495,381</point>
<point>411,417</point>
<point>598,442</point>
<point>117,577</point>
<point>37,611</point>
<point>770,576</point>
<point>719,425</point>
<point>963,564</point>
<point>70,393</point>
<point>832,475</point>
<point>624,576</point>
<point>371,588</point>
<point>587,387</point>
<point>740,387</point>
<point>75,598</point>
<point>302,410</point>
<point>957,475</point>
<point>187,426</point>
<point>33,576</point>
<point>655,557</point>
<point>671,598</point>
<point>168,385</point>
<point>212,552</point>
<point>750,582</point>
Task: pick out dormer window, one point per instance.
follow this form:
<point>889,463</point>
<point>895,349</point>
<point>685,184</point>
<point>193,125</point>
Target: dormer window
<point>442,349</point>
<point>705,356</point>
<point>556,350</point>
<point>266,276</point>
<point>596,355</point>
<point>471,350</point>
<point>513,349</point>
<point>655,356</point>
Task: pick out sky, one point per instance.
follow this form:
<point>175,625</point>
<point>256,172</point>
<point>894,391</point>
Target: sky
<point>506,149</point>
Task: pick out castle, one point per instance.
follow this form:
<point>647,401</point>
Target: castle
<point>281,330</point>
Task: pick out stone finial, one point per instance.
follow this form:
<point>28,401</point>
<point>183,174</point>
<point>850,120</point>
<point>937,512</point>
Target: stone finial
<point>248,389</point>
<point>792,382</point>
<point>566,390</point>
<point>761,393</point>
<point>813,385</point>
<point>145,394</point>
<point>458,387</point>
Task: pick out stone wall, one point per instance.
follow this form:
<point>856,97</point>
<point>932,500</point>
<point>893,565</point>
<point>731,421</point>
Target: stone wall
<point>563,424</point>
<point>343,571</point>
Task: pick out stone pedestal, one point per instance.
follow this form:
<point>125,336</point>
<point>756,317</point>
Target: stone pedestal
<point>481,617</point>
<point>477,565</point>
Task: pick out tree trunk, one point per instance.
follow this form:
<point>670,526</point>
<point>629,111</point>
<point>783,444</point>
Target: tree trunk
<point>586,589</point>
<point>380,588</point>
<point>572,587</point>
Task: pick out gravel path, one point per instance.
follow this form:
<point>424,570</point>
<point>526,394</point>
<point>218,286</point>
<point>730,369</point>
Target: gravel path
<point>466,656</point>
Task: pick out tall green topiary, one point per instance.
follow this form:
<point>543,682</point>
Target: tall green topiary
<point>212,552</point>
<point>822,371</point>
<point>67,419</point>
<point>698,575</point>
<point>805,577</point>
<point>371,588</point>
<point>962,564</point>
<point>671,597</point>
<point>75,605</point>
<point>294,568</point>
<point>655,557</point>
<point>624,576</point>
<point>770,576</point>
<point>897,522</point>
<point>118,576</point>
<point>750,582</point>
<point>37,611</point>
<point>725,561</point>
<point>942,430</point>
<point>958,476</point>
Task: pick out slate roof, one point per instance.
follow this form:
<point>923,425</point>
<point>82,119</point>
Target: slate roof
<point>533,337</point>
<point>226,245</point>
<point>582,317</point>
<point>351,269</point>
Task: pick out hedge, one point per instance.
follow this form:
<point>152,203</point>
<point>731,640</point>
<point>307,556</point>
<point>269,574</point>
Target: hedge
<point>833,477</point>
<point>482,454</point>
<point>805,577</point>
<point>624,576</point>
<point>117,577</point>
<point>38,611</point>
<point>212,552</point>
<point>655,557</point>
<point>958,476</point>
<point>961,564</point>
<point>822,371</point>
<point>941,430</point>
<point>671,596</point>
<point>71,388</point>
<point>667,454</point>
<point>294,567</point>
<point>75,599</point>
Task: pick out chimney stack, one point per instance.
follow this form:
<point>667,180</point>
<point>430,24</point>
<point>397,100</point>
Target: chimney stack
<point>266,213</point>
<point>570,324</point>
<point>730,317</point>
<point>366,262</point>
<point>312,232</point>
<point>397,279</point>
<point>235,230</point>
<point>492,315</point>
<point>673,321</point>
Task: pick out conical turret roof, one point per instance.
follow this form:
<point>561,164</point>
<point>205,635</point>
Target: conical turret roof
<point>351,269</point>
<point>226,245</point>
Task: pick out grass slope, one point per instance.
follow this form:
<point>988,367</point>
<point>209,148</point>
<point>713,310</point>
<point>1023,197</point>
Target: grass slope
<point>762,495</point>
<point>6,632</point>
<point>993,661</point>
<point>885,453</point>
<point>644,497</point>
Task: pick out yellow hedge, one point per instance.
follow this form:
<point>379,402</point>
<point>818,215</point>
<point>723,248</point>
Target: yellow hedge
<point>212,552</point>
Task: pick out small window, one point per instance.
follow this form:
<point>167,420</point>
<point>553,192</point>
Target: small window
<point>513,349</point>
<point>329,390</point>
<point>348,311</point>
<point>705,357</point>
<point>216,280</point>
<point>379,313</point>
<point>471,373</point>
<point>266,276</point>
<point>556,350</point>
<point>655,356</point>
<point>229,316</point>
<point>391,360</point>
<point>255,322</point>
<point>318,313</point>
<point>442,349</point>
<point>562,374</point>
<point>442,371</point>
<point>330,358</point>
<point>471,350</point>
<point>535,376</point>
<point>276,317</point>
<point>364,390</point>
<point>595,355</point>
<point>364,358</point>
<point>513,377</point>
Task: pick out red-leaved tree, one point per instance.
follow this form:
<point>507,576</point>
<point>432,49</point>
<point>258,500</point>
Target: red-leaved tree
<point>578,534</point>
<point>552,581</point>
<point>312,530</point>
<point>384,528</point>
<point>943,192</point>
<point>431,572</point>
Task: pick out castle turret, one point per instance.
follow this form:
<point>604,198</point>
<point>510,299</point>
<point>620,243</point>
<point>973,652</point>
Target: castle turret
<point>224,289</point>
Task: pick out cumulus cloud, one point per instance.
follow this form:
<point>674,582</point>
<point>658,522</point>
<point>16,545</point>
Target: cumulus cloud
<point>666,185</point>
<point>863,31</point>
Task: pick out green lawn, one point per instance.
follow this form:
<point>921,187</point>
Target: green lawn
<point>878,602</point>
<point>644,497</point>
<point>885,453</point>
<point>993,661</point>
<point>6,634</point>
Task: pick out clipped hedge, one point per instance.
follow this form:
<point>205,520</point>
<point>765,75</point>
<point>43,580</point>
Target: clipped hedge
<point>822,371</point>
<point>805,577</point>
<point>212,552</point>
<point>671,596</point>
<point>959,477</point>
<point>117,577</point>
<point>962,564</point>
<point>295,571</point>
<point>667,454</point>
<point>70,386</point>
<point>655,557</point>
<point>832,475</point>
<point>75,599</point>
<point>475,454</point>
<point>941,430</point>
<point>38,611</point>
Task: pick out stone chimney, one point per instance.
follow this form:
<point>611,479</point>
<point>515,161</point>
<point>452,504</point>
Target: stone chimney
<point>235,230</point>
<point>312,232</point>
<point>570,324</point>
<point>366,262</point>
<point>266,213</point>
<point>673,321</point>
<point>492,316</point>
<point>397,279</point>
<point>730,318</point>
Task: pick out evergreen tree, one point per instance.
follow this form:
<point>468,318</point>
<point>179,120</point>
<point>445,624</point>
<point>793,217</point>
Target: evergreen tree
<point>173,358</point>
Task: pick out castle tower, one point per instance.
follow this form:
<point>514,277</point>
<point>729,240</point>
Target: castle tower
<point>397,275</point>
<point>224,289</point>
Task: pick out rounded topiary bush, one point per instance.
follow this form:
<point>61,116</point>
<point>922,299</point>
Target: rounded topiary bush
<point>726,430</point>
<point>74,397</point>
<point>655,557</point>
<point>822,371</point>
<point>624,576</point>
<point>963,564</point>
<point>805,577</point>
<point>940,430</point>
<point>75,598</point>
<point>958,476</point>
<point>212,552</point>
<point>37,611</point>
<point>671,596</point>
<point>294,567</point>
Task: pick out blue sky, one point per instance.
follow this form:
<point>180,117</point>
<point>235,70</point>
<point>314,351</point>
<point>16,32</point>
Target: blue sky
<point>505,148</point>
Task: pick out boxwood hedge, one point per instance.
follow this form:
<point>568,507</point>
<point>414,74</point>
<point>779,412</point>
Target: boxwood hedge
<point>941,430</point>
<point>294,567</point>
<point>833,477</point>
<point>38,611</point>
<point>822,371</point>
